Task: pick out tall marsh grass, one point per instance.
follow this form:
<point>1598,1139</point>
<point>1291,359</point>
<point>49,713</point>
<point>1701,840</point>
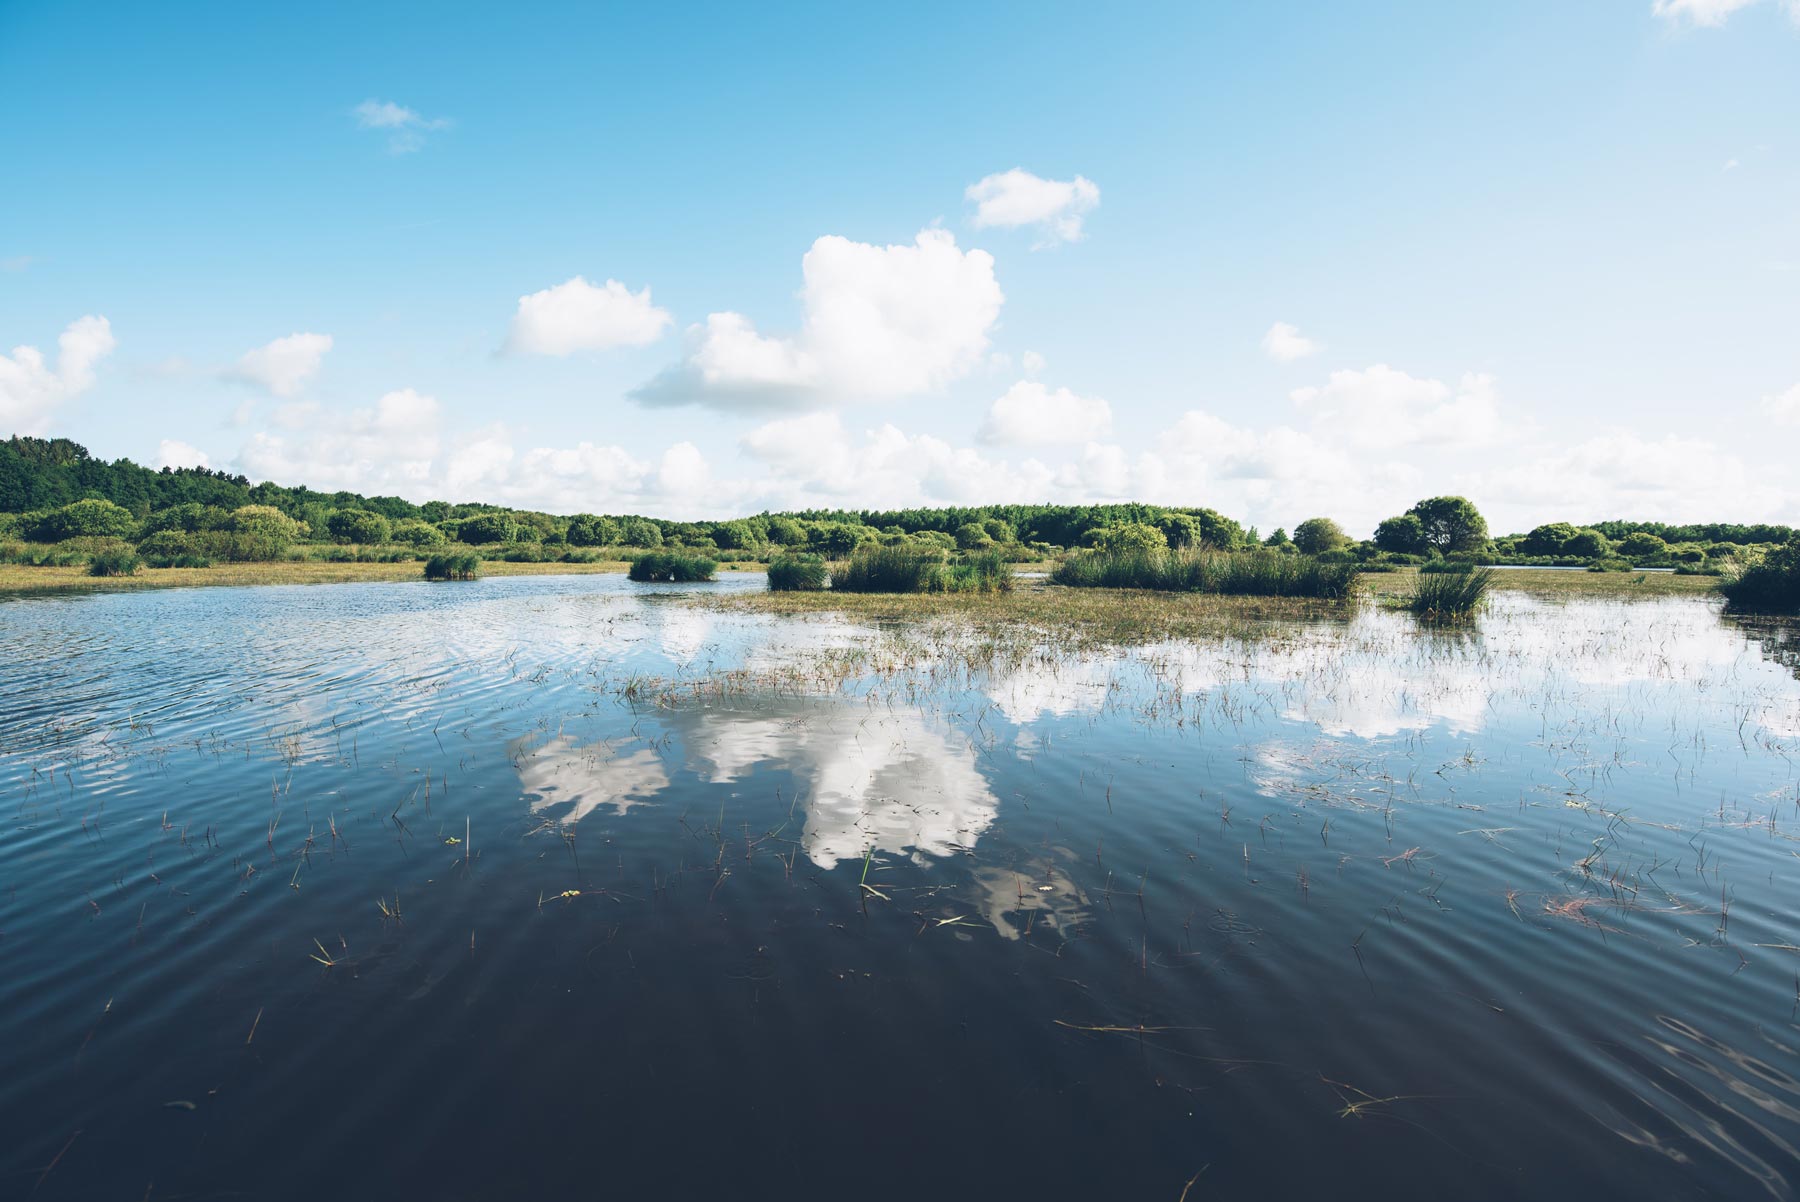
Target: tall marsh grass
<point>453,565</point>
<point>1241,573</point>
<point>1767,585</point>
<point>667,567</point>
<point>1450,595</point>
<point>911,569</point>
<point>798,574</point>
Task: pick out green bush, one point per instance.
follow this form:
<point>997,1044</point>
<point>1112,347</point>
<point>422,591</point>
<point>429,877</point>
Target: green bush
<point>1450,595</point>
<point>92,518</point>
<point>114,563</point>
<point>358,526</point>
<point>798,573</point>
<point>418,534</point>
<point>1770,584</point>
<point>660,567</point>
<point>177,561</point>
<point>453,565</point>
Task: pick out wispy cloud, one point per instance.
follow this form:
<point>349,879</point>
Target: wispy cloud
<point>406,128</point>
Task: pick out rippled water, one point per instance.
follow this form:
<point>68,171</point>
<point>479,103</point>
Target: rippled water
<point>560,887</point>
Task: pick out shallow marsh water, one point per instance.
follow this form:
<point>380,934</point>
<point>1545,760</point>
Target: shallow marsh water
<point>565,887</point>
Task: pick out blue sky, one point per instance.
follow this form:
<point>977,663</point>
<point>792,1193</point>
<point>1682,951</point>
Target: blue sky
<point>1280,259</point>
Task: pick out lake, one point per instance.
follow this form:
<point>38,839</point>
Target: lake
<point>565,887</point>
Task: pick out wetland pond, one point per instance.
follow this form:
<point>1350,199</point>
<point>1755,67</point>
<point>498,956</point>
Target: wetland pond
<point>563,887</point>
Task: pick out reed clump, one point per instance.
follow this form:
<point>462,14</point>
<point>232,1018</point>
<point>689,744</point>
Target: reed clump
<point>667,567</point>
<point>1450,595</point>
<point>115,563</point>
<point>1229,573</point>
<point>453,565</point>
<point>1767,585</point>
<point>798,574</point>
<point>914,569</point>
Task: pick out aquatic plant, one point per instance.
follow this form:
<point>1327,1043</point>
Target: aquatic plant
<point>897,569</point>
<point>671,567</point>
<point>912,568</point>
<point>1241,573</point>
<point>1767,585</point>
<point>798,573</point>
<point>114,563</point>
<point>453,565</point>
<point>1450,595</point>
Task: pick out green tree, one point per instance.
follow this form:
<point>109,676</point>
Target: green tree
<point>591,530</point>
<point>1403,535</point>
<point>786,532</point>
<point>360,526</point>
<point>485,528</point>
<point>1130,537</point>
<point>735,535</point>
<point>973,536</point>
<point>1588,544</point>
<point>1451,524</point>
<point>91,518</point>
<point>1548,539</point>
<point>640,532</point>
<point>1315,536</point>
<point>417,533</point>
<point>1278,539</point>
<point>1180,529</point>
<point>1642,545</point>
<point>1000,530</point>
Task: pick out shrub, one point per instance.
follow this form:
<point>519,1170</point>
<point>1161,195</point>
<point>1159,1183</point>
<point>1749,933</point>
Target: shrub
<point>670,567</point>
<point>487,528</point>
<point>92,518</point>
<point>1770,584</point>
<point>798,573</point>
<point>114,563</point>
<point>1450,595</point>
<point>1610,564</point>
<point>359,526</point>
<point>418,534</point>
<point>1588,544</point>
<point>1446,567</point>
<point>1261,573</point>
<point>453,565</point>
<point>177,561</point>
<point>1128,537</point>
<point>168,544</point>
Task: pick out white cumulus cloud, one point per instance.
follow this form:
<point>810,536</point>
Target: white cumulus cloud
<point>1011,199</point>
<point>880,321</point>
<point>1698,12</point>
<point>1783,407</point>
<point>284,365</point>
<point>405,128</point>
<point>30,389</point>
<point>1030,414</point>
<point>1382,406</point>
<point>1286,343</point>
<point>578,316</point>
<point>172,452</point>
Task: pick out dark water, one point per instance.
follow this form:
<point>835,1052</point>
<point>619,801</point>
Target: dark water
<point>758,907</point>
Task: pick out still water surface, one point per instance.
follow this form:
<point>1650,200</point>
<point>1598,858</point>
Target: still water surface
<point>563,887</point>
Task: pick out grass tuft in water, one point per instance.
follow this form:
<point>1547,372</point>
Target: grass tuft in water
<point>1767,585</point>
<point>1450,595</point>
<point>798,574</point>
<point>455,565</point>
<point>660,567</point>
<point>902,569</point>
<point>1243,574</point>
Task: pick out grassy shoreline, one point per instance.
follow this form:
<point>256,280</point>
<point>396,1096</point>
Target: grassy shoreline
<point>18,580</point>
